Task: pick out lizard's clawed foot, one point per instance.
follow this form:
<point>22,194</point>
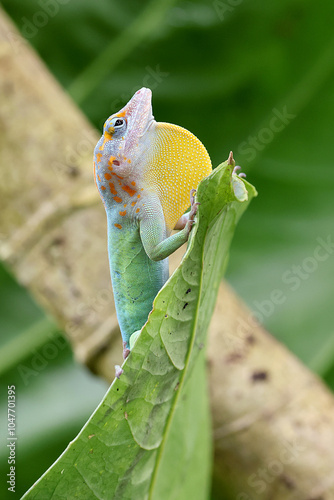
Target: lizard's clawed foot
<point>118,371</point>
<point>235,171</point>
<point>192,196</point>
<point>193,210</point>
<point>126,350</point>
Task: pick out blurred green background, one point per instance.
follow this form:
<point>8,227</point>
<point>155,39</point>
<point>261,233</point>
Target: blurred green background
<point>254,77</point>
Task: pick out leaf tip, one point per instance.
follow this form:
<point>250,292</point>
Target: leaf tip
<point>230,160</point>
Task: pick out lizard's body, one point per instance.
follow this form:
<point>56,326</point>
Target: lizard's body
<point>128,259</point>
<point>144,171</point>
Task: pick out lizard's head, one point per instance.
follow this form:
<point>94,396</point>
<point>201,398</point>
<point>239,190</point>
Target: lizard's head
<point>122,143</point>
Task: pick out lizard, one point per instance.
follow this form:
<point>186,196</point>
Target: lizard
<point>145,172</point>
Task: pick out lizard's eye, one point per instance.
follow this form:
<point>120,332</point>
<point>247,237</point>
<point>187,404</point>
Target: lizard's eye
<point>118,122</point>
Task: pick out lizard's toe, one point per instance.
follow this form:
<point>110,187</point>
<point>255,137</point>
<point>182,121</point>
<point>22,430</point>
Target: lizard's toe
<point>235,171</point>
<point>192,196</point>
<point>118,371</point>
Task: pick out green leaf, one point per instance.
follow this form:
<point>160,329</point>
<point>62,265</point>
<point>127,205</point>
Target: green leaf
<point>153,426</point>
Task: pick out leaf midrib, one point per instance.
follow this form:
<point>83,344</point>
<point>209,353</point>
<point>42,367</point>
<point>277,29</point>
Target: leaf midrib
<point>181,383</point>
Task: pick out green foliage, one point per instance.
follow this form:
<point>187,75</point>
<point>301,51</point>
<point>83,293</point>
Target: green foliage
<point>154,420</point>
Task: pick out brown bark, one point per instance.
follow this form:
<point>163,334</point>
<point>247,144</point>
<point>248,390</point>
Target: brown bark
<point>272,418</point>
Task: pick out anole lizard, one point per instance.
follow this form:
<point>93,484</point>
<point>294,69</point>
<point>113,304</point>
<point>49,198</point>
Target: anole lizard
<point>145,172</point>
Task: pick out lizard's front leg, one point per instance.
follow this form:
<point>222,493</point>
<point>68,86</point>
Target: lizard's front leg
<point>157,244</point>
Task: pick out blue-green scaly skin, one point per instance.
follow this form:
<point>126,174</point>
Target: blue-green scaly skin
<point>136,279</point>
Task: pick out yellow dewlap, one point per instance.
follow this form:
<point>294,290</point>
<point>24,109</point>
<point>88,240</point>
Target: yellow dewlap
<point>180,162</point>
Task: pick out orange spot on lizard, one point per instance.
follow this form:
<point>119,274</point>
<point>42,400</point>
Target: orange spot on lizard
<point>95,174</point>
<point>117,199</point>
<point>118,176</point>
<point>107,137</point>
<point>107,176</point>
<point>112,188</point>
<point>129,190</point>
<point>111,159</point>
<point>103,188</point>
<point>118,226</point>
<point>137,210</point>
<point>133,183</point>
<point>122,213</point>
<point>98,157</point>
